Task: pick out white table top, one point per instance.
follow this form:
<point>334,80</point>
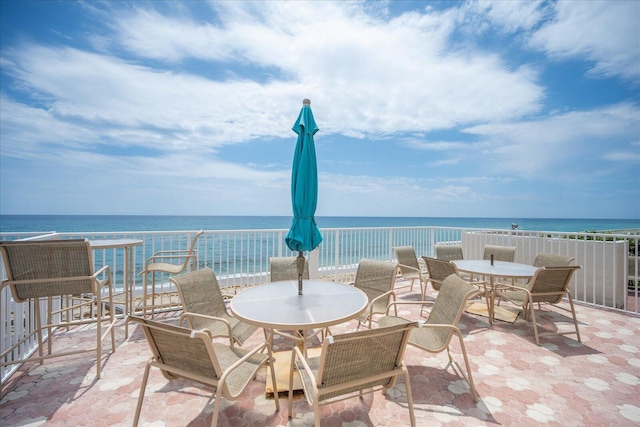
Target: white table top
<point>113,243</point>
<point>277,305</point>
<point>498,269</point>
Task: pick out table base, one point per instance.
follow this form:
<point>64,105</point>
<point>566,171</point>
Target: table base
<point>283,367</point>
<point>505,314</point>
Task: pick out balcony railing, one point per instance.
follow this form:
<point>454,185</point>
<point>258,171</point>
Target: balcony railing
<point>240,258</point>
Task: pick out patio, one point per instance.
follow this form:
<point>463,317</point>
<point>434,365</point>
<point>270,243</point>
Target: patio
<point>562,382</point>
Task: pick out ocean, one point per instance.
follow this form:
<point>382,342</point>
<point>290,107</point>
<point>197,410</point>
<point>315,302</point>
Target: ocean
<point>111,223</point>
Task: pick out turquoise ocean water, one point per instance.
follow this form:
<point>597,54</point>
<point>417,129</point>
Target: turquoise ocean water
<point>120,223</point>
<point>107,223</point>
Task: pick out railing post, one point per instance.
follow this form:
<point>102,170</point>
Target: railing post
<point>314,264</point>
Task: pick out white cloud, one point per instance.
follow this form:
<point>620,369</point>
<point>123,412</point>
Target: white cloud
<point>530,148</point>
<point>603,32</point>
<point>170,104</point>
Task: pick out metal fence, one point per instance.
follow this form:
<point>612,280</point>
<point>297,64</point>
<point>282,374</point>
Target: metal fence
<point>240,258</point>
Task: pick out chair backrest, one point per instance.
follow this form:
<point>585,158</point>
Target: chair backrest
<point>48,268</point>
<point>549,284</point>
<point>448,308</point>
<point>500,253</point>
<point>192,248</point>
<point>200,294</point>
<point>406,255</point>
<point>363,359</point>
<point>551,260</point>
<point>286,268</point>
<point>189,350</point>
<point>449,252</point>
<point>439,269</point>
<point>375,278</point>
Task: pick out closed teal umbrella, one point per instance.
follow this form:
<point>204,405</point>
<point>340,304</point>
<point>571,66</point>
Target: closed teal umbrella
<point>304,234</point>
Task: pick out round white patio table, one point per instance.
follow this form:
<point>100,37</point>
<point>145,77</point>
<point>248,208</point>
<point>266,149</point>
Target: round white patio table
<point>277,305</point>
<point>504,269</point>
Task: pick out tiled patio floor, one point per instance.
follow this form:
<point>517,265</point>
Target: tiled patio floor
<point>562,383</point>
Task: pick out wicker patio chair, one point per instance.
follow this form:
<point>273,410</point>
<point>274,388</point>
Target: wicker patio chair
<point>449,252</point>
<point>436,333</point>
<point>549,285</point>
<point>169,262</point>
<point>500,253</point>
<point>376,279</point>
<point>285,268</point>
<point>60,272</point>
<point>440,269</point>
<point>547,260</point>
<point>409,267</point>
<point>551,260</point>
<point>204,306</point>
<point>186,353</point>
<point>351,363</point>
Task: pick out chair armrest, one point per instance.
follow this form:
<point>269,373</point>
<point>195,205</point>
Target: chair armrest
<point>297,354</point>
<point>171,255</point>
<point>396,303</point>
<point>504,287</point>
<point>417,270</point>
<point>204,316</point>
<point>169,252</point>
<point>105,273</point>
<point>163,256</point>
<point>437,326</point>
<point>379,297</point>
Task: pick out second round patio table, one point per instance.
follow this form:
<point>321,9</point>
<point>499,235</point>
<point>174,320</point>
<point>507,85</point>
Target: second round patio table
<point>504,269</point>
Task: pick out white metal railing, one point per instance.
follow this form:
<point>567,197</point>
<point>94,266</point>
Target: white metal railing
<point>241,258</point>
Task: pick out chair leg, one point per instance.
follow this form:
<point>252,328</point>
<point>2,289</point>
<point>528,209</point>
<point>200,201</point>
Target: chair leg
<point>290,404</point>
<point>99,336</point>
<point>216,406</point>
<point>143,387</point>
<point>36,305</point>
<point>573,312</point>
<point>272,368</point>
<point>469,376</point>
<point>316,411</point>
<point>532,313</point>
<point>407,384</point>
<point>145,283</point>
<point>49,322</point>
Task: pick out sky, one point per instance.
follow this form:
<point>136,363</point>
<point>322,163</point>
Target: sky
<point>525,109</point>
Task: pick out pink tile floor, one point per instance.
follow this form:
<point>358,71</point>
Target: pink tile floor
<point>560,383</point>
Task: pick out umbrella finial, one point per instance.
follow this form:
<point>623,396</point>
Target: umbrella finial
<point>306,101</point>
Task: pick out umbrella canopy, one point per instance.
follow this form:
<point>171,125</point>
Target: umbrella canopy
<point>304,234</point>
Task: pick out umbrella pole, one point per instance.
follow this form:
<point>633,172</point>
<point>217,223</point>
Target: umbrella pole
<point>300,265</point>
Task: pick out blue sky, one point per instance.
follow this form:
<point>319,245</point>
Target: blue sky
<point>443,109</point>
